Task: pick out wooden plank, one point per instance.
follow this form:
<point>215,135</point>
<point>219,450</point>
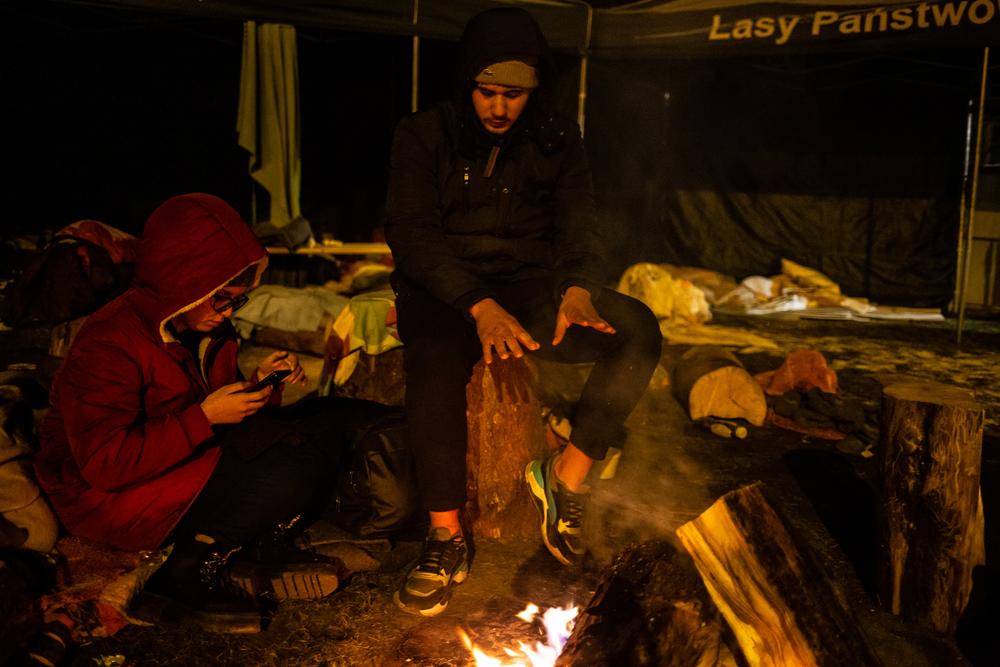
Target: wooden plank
<point>341,249</point>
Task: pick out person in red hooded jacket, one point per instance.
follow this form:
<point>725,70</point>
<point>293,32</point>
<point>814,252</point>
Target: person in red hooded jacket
<point>153,439</point>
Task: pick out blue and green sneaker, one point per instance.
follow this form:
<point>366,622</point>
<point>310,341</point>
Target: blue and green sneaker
<point>560,511</point>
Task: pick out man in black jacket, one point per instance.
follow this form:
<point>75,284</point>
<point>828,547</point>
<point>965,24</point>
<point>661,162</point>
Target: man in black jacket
<point>492,226</point>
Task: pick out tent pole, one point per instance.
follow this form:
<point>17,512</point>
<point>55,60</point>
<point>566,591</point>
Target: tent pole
<point>581,104</point>
<point>972,197</point>
<point>962,221</point>
<point>415,70</point>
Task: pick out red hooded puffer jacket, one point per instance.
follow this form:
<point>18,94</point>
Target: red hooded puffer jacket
<point>124,447</point>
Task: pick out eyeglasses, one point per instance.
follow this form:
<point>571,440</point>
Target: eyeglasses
<point>221,302</point>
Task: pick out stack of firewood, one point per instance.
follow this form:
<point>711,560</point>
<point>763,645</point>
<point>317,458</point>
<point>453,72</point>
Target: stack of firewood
<point>764,598</point>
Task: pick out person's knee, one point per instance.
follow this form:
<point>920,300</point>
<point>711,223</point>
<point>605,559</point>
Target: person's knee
<point>637,325</point>
<point>648,330</point>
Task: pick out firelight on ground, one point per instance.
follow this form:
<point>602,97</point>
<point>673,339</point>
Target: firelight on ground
<point>558,624</point>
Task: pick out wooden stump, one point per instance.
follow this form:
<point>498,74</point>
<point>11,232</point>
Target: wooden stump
<point>505,434</point>
<point>780,604</point>
<point>650,608</point>
<point>711,382</point>
<point>931,523</point>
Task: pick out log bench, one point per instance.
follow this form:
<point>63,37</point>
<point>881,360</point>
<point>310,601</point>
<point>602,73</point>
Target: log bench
<point>505,433</point>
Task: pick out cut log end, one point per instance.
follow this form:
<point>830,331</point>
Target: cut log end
<point>934,393</point>
<point>711,382</point>
<point>729,393</point>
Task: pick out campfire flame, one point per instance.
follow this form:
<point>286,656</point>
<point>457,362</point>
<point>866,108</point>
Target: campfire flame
<point>558,624</point>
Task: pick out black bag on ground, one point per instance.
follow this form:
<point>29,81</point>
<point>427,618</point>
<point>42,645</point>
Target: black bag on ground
<point>376,494</point>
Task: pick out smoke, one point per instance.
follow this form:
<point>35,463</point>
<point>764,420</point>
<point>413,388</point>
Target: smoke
<point>658,487</point>
<point>659,481</point>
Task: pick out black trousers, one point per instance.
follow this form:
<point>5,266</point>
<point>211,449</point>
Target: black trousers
<point>277,463</point>
<point>441,349</point>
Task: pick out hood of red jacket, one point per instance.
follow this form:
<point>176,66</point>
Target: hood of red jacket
<point>191,246</point>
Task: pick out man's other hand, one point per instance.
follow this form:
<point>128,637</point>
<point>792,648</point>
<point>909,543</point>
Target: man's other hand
<point>231,404</point>
<point>577,308</point>
<point>499,330</point>
<point>281,361</point>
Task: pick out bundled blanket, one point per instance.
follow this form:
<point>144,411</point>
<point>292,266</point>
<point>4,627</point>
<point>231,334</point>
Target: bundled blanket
<point>26,520</point>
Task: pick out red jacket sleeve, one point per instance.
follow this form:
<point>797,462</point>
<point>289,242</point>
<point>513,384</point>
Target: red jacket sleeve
<point>114,442</point>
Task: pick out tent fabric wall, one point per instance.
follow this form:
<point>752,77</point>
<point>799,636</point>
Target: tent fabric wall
<point>850,165</point>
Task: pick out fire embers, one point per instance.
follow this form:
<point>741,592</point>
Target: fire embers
<point>555,624</point>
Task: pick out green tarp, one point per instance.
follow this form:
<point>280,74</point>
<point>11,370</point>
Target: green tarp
<point>268,117</point>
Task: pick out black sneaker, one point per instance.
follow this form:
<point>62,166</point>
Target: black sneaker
<point>443,563</point>
<point>560,511</point>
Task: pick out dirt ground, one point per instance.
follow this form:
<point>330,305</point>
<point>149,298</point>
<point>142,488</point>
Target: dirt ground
<point>671,471</point>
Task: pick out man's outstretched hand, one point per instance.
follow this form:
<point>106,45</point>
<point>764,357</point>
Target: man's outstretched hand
<point>577,308</point>
<point>499,330</point>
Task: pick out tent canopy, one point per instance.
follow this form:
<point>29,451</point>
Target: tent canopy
<point>833,133</point>
<point>678,28</point>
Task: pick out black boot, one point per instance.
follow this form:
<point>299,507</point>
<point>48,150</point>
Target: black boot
<point>273,567</point>
<point>191,588</point>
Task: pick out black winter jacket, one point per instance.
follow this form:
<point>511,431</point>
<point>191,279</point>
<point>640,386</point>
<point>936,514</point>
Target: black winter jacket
<point>452,230</point>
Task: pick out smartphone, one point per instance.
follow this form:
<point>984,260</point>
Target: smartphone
<point>273,379</point>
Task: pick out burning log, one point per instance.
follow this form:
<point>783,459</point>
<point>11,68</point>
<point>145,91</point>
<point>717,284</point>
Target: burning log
<point>931,526</point>
<point>505,434</point>
<point>781,605</point>
<point>711,382</point>
<point>650,609</point>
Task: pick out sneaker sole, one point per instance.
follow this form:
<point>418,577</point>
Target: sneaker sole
<point>289,582</point>
<point>442,604</point>
<point>542,505</point>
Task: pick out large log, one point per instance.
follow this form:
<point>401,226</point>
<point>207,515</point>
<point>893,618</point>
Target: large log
<point>778,601</point>
<point>711,382</point>
<point>931,524</point>
<point>505,434</point>
<point>650,608</point>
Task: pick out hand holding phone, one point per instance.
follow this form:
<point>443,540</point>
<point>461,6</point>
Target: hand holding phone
<point>273,379</point>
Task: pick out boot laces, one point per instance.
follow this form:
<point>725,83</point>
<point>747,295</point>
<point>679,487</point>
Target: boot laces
<point>212,566</point>
<point>433,555</point>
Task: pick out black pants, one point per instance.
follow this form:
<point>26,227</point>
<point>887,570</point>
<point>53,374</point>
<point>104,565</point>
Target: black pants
<point>441,348</point>
<point>274,465</point>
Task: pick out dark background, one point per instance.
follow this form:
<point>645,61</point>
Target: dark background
<point>850,163</point>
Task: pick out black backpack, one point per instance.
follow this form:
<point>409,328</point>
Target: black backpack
<point>376,493</point>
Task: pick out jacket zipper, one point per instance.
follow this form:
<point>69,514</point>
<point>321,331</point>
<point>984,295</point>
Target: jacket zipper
<point>465,188</point>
